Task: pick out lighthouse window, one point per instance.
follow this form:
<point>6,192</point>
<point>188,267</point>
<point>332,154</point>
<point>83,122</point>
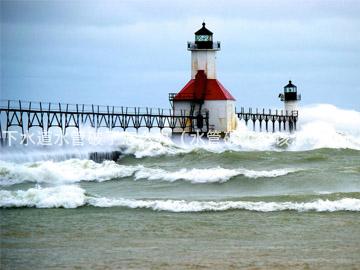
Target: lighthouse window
<point>290,90</point>
<point>202,38</point>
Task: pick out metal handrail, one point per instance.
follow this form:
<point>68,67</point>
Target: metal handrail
<point>268,112</point>
<point>61,107</point>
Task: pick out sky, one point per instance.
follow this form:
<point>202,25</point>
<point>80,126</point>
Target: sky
<point>133,53</point>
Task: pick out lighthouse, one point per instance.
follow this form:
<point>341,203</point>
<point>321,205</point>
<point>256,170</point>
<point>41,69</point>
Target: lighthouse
<point>204,93</point>
<point>290,98</point>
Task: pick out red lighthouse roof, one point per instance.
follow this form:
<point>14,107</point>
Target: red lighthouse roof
<point>202,88</point>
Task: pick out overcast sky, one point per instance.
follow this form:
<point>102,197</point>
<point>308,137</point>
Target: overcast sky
<point>134,52</point>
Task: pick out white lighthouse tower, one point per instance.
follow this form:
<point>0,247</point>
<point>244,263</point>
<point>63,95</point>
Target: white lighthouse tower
<point>204,93</point>
<point>203,53</point>
<point>290,98</point>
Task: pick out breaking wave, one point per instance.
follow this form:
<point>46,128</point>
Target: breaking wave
<point>345,204</point>
<point>319,126</point>
<point>76,170</point>
<point>52,197</point>
<point>68,171</point>
<point>73,196</point>
<point>212,175</point>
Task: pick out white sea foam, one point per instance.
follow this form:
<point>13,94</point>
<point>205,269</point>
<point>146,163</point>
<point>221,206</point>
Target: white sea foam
<point>68,171</point>
<point>72,196</point>
<point>143,144</point>
<point>76,170</point>
<point>319,126</point>
<point>345,204</point>
<point>52,197</point>
<point>211,175</point>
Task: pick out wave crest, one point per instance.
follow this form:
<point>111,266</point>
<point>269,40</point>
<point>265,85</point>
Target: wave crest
<point>52,197</point>
<point>211,175</point>
<point>75,170</point>
<point>73,196</point>
<point>345,204</point>
<point>68,171</point>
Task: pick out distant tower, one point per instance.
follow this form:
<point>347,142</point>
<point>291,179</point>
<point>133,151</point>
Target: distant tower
<point>290,98</point>
<point>204,92</point>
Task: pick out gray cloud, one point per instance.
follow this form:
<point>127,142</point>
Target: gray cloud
<point>133,52</point>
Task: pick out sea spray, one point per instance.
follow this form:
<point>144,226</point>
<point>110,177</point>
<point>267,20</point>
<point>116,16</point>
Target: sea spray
<point>319,126</point>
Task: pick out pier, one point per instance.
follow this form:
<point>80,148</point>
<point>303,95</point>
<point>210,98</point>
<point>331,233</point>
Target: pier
<point>44,115</point>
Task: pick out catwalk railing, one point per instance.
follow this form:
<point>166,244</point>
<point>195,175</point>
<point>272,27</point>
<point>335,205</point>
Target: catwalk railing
<point>278,119</point>
<point>27,115</point>
<point>44,115</point>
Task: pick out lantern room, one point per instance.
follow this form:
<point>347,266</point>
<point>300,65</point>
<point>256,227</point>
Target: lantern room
<point>290,97</point>
<point>203,38</point>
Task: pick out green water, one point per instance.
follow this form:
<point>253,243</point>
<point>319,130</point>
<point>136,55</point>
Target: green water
<point>157,236</point>
<point>116,238</point>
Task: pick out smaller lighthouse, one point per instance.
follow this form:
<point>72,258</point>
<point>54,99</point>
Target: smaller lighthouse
<point>290,98</point>
<point>204,93</point>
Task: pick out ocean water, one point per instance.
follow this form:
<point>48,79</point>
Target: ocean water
<point>252,202</point>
